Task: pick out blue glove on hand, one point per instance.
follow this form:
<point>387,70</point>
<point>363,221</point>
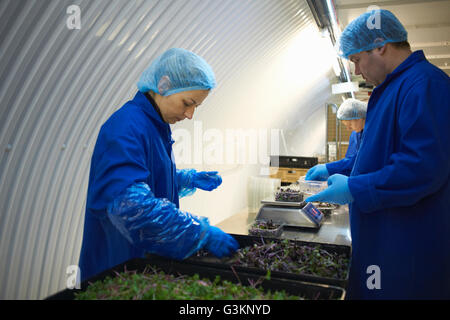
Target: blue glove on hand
<point>220,243</point>
<point>207,180</point>
<point>319,173</point>
<point>337,191</point>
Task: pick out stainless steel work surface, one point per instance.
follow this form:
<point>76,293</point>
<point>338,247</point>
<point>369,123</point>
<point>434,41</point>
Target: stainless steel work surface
<point>335,227</point>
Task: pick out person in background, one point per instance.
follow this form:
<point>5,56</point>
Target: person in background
<point>399,189</point>
<point>134,187</point>
<point>352,114</point>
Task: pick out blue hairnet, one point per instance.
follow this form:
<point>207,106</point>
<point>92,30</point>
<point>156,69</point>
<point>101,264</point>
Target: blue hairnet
<point>352,109</point>
<point>369,31</point>
<point>177,70</point>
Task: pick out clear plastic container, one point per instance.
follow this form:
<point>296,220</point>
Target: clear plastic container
<point>310,187</point>
<point>266,228</point>
<point>325,208</point>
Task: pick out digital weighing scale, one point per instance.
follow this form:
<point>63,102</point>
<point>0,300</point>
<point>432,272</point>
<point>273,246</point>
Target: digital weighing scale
<point>292,214</point>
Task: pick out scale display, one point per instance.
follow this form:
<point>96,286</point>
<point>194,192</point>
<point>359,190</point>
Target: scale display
<point>291,214</point>
<point>313,213</point>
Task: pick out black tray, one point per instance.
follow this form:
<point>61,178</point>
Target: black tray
<point>169,266</point>
<point>249,240</point>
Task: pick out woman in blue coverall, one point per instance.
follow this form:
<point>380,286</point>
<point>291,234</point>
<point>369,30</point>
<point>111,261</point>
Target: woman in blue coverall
<point>352,114</point>
<point>399,189</point>
<point>134,187</point>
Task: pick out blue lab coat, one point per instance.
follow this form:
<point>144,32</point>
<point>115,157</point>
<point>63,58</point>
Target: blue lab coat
<point>134,145</point>
<point>345,165</point>
<point>400,217</point>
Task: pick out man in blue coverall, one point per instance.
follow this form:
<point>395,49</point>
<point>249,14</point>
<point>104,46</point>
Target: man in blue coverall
<point>399,189</point>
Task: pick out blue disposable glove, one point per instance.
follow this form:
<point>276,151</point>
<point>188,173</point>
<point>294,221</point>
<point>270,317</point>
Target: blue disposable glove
<point>206,180</point>
<point>220,243</point>
<point>319,173</point>
<point>337,191</point>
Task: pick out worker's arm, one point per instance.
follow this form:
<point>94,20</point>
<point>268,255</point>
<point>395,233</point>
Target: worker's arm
<point>345,165</point>
<point>185,178</point>
<point>118,191</point>
<point>157,225</point>
<point>421,165</point>
<point>189,180</point>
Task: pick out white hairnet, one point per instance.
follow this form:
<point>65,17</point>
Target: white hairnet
<point>352,109</point>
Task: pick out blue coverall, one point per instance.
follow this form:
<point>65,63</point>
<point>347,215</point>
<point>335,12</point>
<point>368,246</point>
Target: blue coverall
<point>134,145</point>
<point>345,165</point>
<point>400,217</point>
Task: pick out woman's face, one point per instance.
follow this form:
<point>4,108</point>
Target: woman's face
<point>354,125</point>
<point>181,105</point>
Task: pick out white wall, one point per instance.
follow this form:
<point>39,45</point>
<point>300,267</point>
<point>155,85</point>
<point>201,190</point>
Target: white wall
<point>284,94</point>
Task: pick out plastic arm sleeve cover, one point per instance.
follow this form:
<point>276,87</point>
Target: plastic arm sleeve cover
<point>185,179</point>
<point>156,225</point>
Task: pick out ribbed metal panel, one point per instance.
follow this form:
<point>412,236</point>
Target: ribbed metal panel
<point>57,86</point>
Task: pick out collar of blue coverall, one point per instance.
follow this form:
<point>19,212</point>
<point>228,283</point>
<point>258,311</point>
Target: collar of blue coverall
<point>413,58</point>
<point>153,112</point>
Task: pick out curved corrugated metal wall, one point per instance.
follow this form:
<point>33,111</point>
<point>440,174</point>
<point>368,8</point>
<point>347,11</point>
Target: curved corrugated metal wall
<point>57,86</point>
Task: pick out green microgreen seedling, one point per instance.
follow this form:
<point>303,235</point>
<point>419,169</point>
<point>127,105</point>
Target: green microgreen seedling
<point>152,284</point>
